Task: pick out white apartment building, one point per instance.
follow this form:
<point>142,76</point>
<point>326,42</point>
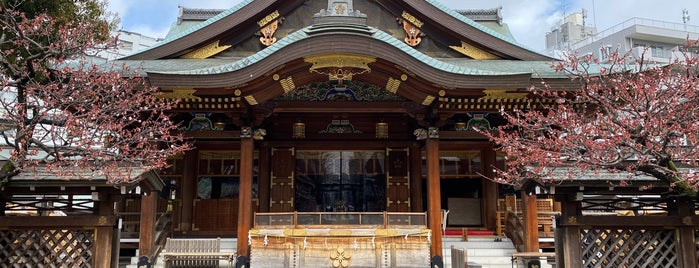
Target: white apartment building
<point>570,31</point>
<point>127,44</point>
<point>651,40</point>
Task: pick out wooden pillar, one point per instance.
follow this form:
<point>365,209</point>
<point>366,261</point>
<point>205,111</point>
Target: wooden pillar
<point>416,178</point>
<point>105,205</point>
<point>149,209</point>
<point>434,199</point>
<point>245,195</point>
<point>107,236</point>
<point>490,192</point>
<point>687,250</point>
<point>103,242</point>
<point>188,187</point>
<point>568,250</point>
<point>263,178</point>
<point>531,225</point>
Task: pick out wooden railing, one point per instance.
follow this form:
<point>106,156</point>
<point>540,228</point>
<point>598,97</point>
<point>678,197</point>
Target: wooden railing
<point>514,229</point>
<point>510,222</point>
<point>545,215</point>
<point>163,230</point>
<point>354,219</point>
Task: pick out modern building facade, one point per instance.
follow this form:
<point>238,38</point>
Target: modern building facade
<point>653,40</point>
<point>127,43</point>
<point>572,29</point>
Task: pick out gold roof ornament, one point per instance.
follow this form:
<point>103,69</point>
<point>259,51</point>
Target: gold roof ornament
<point>206,51</point>
<point>473,52</point>
<point>412,26</point>
<point>340,66</point>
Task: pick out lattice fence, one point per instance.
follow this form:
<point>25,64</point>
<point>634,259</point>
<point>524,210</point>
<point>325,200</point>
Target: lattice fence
<point>46,248</point>
<point>602,248</point>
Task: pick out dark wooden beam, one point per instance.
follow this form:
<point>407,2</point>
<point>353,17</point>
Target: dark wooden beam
<point>490,190</point>
<point>613,221</point>
<point>416,178</point>
<point>339,107</point>
<point>189,185</point>
<point>12,222</point>
<point>434,199</point>
<point>212,135</point>
<point>247,147</point>
<point>263,177</point>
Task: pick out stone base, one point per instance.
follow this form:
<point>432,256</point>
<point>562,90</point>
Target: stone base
<point>406,248</point>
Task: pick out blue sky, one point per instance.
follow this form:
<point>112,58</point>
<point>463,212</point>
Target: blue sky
<point>529,20</point>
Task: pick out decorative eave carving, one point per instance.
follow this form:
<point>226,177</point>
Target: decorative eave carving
<point>251,100</point>
<point>179,93</point>
<point>498,94</point>
<point>412,19</point>
<point>412,26</point>
<point>268,26</point>
<point>428,100</point>
<point>340,66</point>
<point>269,18</point>
<point>286,83</point>
<point>474,52</point>
<point>206,51</point>
<point>392,85</point>
<point>495,99</point>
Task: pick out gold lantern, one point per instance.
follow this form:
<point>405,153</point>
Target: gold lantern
<point>460,126</point>
<point>382,130</point>
<point>298,130</point>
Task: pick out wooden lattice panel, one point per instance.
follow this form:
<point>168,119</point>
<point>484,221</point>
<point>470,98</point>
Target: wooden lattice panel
<point>629,248</point>
<point>71,205</point>
<point>46,248</point>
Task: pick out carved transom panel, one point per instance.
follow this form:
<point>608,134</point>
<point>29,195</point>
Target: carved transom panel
<point>340,67</point>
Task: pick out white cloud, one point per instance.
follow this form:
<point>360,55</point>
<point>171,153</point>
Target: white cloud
<point>120,7</point>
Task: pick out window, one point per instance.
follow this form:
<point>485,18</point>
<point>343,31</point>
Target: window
<point>125,45</point>
<point>219,175</point>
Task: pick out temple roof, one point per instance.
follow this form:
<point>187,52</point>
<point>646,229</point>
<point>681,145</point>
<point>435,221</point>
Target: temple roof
<point>480,15</point>
<point>488,34</point>
<point>259,49</point>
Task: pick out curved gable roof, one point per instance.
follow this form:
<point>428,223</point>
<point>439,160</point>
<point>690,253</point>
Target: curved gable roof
<point>249,10</point>
<point>195,35</point>
<point>376,34</point>
<point>374,43</point>
<point>470,29</point>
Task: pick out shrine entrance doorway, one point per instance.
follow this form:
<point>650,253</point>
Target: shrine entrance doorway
<point>340,181</point>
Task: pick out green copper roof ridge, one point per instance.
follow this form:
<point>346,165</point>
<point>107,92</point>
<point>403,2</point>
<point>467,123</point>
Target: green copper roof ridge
<point>478,26</point>
<point>302,34</point>
<point>198,26</point>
